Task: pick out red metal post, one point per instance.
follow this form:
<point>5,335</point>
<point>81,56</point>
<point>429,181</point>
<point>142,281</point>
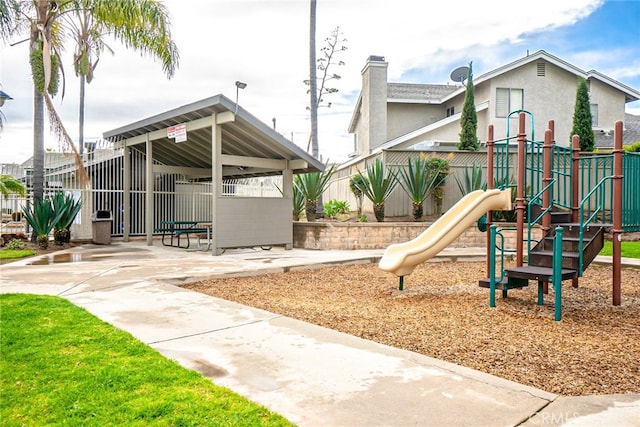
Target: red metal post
<point>490,155</point>
<point>616,232</point>
<point>546,199</point>
<point>520,206</point>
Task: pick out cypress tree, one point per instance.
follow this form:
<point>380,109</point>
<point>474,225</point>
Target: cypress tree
<point>582,121</point>
<point>469,119</point>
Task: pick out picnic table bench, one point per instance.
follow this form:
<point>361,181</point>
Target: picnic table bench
<point>172,231</point>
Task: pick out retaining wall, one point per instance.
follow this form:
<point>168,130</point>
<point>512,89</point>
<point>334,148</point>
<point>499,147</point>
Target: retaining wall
<point>364,235</point>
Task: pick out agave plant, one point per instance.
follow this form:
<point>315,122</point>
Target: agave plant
<point>471,181</point>
<point>67,208</point>
<point>298,199</point>
<point>418,182</point>
<point>311,186</point>
<point>41,218</point>
<point>377,187</point>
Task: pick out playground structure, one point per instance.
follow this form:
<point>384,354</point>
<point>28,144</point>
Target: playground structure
<point>402,258</point>
<point>574,198</point>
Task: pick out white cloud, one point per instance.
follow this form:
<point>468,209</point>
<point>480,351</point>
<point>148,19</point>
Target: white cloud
<point>265,44</point>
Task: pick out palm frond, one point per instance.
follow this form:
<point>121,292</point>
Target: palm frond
<point>68,147</point>
<point>9,184</point>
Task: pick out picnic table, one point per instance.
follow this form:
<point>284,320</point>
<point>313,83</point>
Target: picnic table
<point>173,231</point>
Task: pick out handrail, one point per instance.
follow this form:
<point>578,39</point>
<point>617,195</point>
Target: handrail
<point>599,207</point>
<point>532,222</point>
<point>493,280</point>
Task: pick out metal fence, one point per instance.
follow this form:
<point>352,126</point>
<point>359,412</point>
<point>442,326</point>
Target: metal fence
<point>176,197</point>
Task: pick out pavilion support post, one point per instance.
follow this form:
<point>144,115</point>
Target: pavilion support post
<point>148,217</point>
<point>287,191</point>
<point>216,185</point>
<point>126,192</point>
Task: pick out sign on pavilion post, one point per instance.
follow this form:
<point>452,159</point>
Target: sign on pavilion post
<point>177,132</point>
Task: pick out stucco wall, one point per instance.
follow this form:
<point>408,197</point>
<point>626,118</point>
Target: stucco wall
<point>404,118</point>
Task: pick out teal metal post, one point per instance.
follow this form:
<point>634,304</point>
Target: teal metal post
<point>557,273</point>
<point>401,287</point>
<point>540,292</point>
<point>492,265</point>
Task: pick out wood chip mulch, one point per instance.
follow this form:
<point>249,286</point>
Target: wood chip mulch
<point>443,313</point>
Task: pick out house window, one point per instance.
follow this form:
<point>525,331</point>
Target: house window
<point>450,111</point>
<point>508,100</point>
<point>594,114</point>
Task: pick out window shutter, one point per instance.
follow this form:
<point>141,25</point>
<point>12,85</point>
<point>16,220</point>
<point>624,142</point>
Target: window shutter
<point>502,102</point>
<point>517,99</point>
<point>594,114</point>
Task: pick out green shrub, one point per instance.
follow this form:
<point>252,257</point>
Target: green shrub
<point>334,207</point>
<point>355,183</point>
<point>632,148</point>
<point>16,244</point>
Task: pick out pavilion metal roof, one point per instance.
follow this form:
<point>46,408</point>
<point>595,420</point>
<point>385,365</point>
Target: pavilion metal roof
<point>245,136</point>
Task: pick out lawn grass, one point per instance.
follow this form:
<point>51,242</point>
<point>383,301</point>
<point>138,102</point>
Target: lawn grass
<point>16,253</point>
<point>628,249</point>
<point>60,365</point>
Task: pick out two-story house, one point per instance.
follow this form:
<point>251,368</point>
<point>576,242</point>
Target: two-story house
<point>390,118</point>
<point>402,115</point>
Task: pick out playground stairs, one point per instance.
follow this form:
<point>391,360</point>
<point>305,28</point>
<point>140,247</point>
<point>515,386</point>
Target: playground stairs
<point>540,260</point>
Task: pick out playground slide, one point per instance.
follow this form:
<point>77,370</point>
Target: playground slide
<point>402,258</point>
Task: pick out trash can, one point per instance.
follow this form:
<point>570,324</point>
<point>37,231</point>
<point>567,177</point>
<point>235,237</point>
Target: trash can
<point>101,224</point>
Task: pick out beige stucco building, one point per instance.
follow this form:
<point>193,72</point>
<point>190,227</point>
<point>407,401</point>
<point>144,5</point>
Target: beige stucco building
<point>402,115</point>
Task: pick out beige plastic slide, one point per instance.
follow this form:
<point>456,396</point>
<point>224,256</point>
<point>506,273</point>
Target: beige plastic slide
<point>402,258</point>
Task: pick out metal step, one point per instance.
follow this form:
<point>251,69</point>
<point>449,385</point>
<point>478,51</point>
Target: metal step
<point>505,284</point>
<point>541,274</point>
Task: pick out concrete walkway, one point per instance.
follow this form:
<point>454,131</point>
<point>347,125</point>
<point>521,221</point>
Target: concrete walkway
<point>311,375</point>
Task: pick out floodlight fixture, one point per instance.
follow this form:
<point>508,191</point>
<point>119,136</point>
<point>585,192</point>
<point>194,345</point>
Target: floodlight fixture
<point>239,85</point>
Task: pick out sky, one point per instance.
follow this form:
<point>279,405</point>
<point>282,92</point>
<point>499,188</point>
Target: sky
<point>264,43</point>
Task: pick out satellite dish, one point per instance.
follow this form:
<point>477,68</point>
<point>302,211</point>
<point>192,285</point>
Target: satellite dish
<point>460,74</point>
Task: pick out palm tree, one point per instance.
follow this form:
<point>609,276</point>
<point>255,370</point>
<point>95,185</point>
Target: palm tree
<point>313,82</point>
<point>89,21</point>
<point>43,21</point>
<point>39,19</point>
